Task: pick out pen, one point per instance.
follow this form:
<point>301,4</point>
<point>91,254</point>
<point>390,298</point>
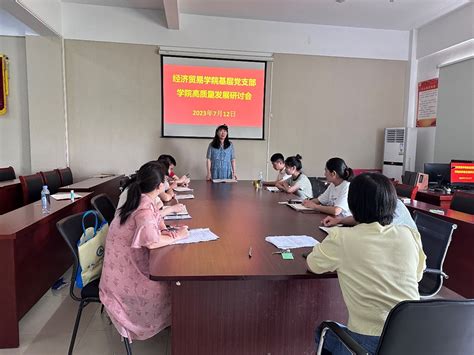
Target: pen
<point>250,252</point>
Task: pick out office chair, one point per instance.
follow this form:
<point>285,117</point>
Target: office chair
<point>436,236</point>
<point>66,176</point>
<point>52,179</point>
<point>463,202</point>
<point>7,174</point>
<point>31,186</point>
<point>418,327</point>
<point>404,190</point>
<point>104,206</point>
<point>70,229</point>
<point>318,184</point>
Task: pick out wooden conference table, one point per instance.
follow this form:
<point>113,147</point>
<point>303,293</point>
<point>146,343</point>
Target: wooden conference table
<point>223,301</point>
<point>107,184</point>
<point>32,256</point>
<point>10,195</point>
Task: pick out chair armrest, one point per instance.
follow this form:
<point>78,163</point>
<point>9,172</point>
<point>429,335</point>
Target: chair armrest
<point>344,337</point>
<point>436,271</point>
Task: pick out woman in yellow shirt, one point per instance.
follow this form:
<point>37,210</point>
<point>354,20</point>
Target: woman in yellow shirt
<point>378,264</point>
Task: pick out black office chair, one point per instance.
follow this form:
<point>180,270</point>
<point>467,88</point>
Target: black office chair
<point>418,327</point>
<point>52,179</point>
<point>436,236</point>
<point>463,202</point>
<point>31,186</point>
<point>404,190</point>
<point>66,176</point>
<point>7,174</point>
<point>318,184</point>
<point>70,229</point>
<point>104,206</point>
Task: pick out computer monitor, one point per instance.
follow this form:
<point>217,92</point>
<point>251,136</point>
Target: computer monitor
<point>439,173</point>
<point>462,173</point>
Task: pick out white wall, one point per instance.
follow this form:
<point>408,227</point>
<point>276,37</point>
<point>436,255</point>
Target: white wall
<point>46,103</point>
<point>14,125</point>
<point>10,26</point>
<point>453,28</point>
<point>47,11</point>
<point>124,25</point>
<point>450,30</point>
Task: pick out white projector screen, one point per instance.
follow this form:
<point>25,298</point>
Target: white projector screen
<point>199,94</point>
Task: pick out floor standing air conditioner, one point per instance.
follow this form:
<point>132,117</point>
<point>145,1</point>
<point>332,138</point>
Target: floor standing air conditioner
<point>399,151</point>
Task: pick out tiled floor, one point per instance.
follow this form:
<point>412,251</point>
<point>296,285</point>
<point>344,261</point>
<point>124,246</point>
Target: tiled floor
<point>46,330</point>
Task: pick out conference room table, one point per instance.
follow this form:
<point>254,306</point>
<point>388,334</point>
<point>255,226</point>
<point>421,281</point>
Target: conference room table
<point>10,195</point>
<point>225,301</point>
<point>459,262</point>
<point>435,198</point>
<point>108,184</point>
<point>33,256</point>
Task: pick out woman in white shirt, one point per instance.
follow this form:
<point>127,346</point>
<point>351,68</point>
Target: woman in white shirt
<point>334,200</point>
<point>298,183</point>
<point>378,264</point>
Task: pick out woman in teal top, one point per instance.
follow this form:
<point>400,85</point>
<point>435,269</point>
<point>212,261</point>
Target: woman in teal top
<point>220,156</point>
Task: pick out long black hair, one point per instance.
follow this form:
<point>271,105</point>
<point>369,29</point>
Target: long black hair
<point>147,179</point>
<point>340,167</point>
<point>216,142</point>
<point>372,198</point>
<point>294,162</point>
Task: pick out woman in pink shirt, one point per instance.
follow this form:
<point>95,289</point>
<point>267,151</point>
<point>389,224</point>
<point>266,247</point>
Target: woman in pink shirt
<point>138,307</point>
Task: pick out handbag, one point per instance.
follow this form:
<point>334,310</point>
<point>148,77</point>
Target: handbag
<point>91,250</point>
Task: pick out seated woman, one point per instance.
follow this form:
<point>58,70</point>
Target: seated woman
<point>168,194</point>
<point>298,183</point>
<point>181,181</point>
<point>378,263</point>
<point>138,306</point>
<point>164,210</point>
<point>334,199</point>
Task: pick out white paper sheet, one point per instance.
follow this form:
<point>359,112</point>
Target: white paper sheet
<point>292,241</point>
<point>64,196</point>
<point>272,188</point>
<point>183,189</point>
<point>176,217</point>
<point>198,235</point>
<point>184,197</point>
<point>223,180</point>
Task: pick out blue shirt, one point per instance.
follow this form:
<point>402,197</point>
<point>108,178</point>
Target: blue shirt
<point>221,161</point>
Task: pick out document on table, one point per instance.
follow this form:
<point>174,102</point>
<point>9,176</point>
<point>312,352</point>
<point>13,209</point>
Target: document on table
<point>272,188</point>
<point>185,211</point>
<point>223,180</point>
<point>64,196</point>
<point>184,197</point>
<point>176,217</point>
<point>297,207</point>
<point>183,189</point>
<point>198,235</point>
<point>292,241</point>
<point>326,229</point>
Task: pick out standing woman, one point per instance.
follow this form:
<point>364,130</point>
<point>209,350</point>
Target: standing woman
<point>220,161</point>
<point>138,306</point>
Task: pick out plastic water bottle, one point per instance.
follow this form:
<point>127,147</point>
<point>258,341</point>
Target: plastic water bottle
<point>72,196</point>
<point>45,201</point>
<point>260,180</point>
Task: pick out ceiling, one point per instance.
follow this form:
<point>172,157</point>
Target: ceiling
<point>380,14</point>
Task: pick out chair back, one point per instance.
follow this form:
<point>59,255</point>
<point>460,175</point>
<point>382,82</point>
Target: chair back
<point>463,202</point>
<point>70,229</point>
<point>104,206</point>
<point>52,179</point>
<point>7,174</point>
<point>318,184</point>
<point>65,176</point>
<point>31,186</point>
<point>429,327</point>
<point>404,190</point>
<point>436,236</point>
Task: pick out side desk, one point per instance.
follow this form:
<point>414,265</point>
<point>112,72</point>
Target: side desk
<point>225,302</point>
<point>10,195</point>
<point>97,185</point>
<point>440,199</point>
<point>32,257</point>
<point>459,263</point>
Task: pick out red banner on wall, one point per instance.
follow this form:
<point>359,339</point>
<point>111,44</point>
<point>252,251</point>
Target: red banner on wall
<point>427,103</point>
